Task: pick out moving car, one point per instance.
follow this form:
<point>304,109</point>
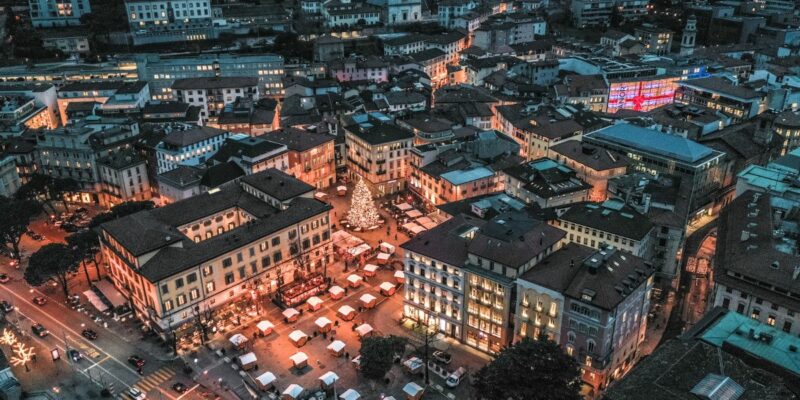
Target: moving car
<point>4,278</point>
<point>74,355</point>
<point>442,357</point>
<point>136,361</point>
<point>89,334</point>
<point>39,330</point>
<point>180,388</point>
<point>6,306</point>
<point>136,394</point>
<point>39,301</point>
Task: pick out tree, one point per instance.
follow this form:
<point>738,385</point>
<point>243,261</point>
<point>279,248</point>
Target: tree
<point>363,213</point>
<point>85,245</point>
<point>59,187</point>
<point>52,262</point>
<point>530,370</point>
<point>35,189</point>
<point>15,216</point>
<point>378,353</point>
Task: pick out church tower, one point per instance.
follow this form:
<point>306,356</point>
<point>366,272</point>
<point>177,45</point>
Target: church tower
<point>689,36</point>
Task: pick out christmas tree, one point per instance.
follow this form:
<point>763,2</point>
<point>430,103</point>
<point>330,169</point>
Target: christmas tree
<point>363,213</point>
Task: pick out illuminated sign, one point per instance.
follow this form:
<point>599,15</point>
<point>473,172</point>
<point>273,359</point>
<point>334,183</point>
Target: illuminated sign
<point>643,95</point>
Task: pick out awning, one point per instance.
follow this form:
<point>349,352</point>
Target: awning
<point>413,213</point>
<point>417,229</point>
<point>426,223</point>
<point>403,206</point>
<point>96,302</point>
<point>111,293</point>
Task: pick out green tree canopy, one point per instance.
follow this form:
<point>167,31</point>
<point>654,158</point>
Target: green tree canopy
<point>85,245</point>
<point>52,262</point>
<point>15,216</point>
<point>377,354</point>
<point>529,370</point>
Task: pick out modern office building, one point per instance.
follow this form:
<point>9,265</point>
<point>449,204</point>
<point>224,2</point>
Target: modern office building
<point>212,95</point>
<point>57,13</point>
<point>739,102</point>
<point>188,145</point>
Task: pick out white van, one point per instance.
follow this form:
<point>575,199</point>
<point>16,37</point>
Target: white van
<point>455,378</point>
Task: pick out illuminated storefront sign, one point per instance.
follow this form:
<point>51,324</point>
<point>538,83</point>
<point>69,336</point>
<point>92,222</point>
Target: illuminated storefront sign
<point>641,95</point>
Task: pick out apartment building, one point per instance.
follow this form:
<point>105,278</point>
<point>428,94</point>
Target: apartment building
<point>106,97</point>
<point>656,40</point>
<point>231,244</point>
<point>755,267</point>
<point>460,169</point>
<point>123,177</point>
<point>377,151</point>
<point>535,130</point>
<point>598,12</point>
<point>450,10</point>
<point>610,223</point>
<point>398,12</point>
<point>591,164</point>
<point>164,14</point>
<point>311,156</point>
<point>43,94</point>
<point>73,151</point>
<point>9,178</point>
<point>251,154</point>
<point>188,145</point>
<point>433,62</point>
<point>160,72</point>
<point>179,184</point>
<point>353,68</point>
<point>213,95</point>
<point>20,113</point>
<point>545,183</point>
<point>57,13</point>
<point>593,302</point>
<point>738,102</point>
<point>250,117</point>
<point>347,13</point>
<point>461,274</point>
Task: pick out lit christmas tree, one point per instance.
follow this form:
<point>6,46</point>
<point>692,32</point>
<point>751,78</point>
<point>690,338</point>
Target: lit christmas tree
<point>363,213</point>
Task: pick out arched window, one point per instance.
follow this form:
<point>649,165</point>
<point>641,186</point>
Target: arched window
<point>571,337</point>
<point>590,346</point>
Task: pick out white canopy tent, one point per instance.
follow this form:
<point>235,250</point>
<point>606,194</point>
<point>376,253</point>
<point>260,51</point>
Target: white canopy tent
<point>314,302</point>
<point>358,250</point>
<point>290,313</point>
<point>354,279</point>
<point>364,329</point>
<point>370,269</point>
<point>248,358</point>
<point>383,257</point>
<point>387,247</point>
<point>299,359</point>
<point>403,206</point>
<point>413,213</point>
<point>416,229</point>
<point>426,222</point>
<point>298,336</point>
<point>329,378</point>
<point>399,276</point>
<point>412,389</point>
<point>294,391</point>
<point>266,379</point>
<point>238,339</point>
<point>336,346</point>
<point>350,394</point>
<point>323,322</point>
<point>336,291</point>
<point>265,327</point>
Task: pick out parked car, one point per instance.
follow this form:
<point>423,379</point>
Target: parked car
<point>136,394</point>
<point>39,300</point>
<point>136,361</point>
<point>89,334</point>
<point>455,378</point>
<point>39,330</point>
<point>74,355</point>
<point>179,387</point>
<point>442,357</point>
<point>6,306</point>
<point>4,278</point>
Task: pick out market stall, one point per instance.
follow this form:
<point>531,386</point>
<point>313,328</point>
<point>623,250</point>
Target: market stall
<point>350,394</point>
<point>299,360</point>
<point>368,301</point>
<point>426,222</point>
<point>370,270</point>
<point>364,330</point>
<point>238,340</point>
<point>299,291</point>
<point>327,380</point>
<point>387,289</point>
<point>336,292</point>
<point>400,277</point>
<point>247,361</point>
<point>266,381</point>
<point>403,206</point>
<point>323,324</point>
<point>293,392</point>
<point>413,391</point>
<point>357,251</point>
<point>346,313</point>
<point>291,315</point>
<point>386,247</point>
<point>416,229</point>
<point>265,327</point>
<point>314,303</point>
<point>383,258</point>
<point>321,196</point>
<point>354,280</point>
<point>413,213</point>
<point>341,190</point>
<point>298,338</point>
<point>336,348</point>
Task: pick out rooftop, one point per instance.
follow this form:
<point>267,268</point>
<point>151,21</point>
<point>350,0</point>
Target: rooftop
<point>649,140</point>
<point>191,134</point>
<point>612,216</point>
<point>546,178</point>
<point>217,82</point>
<point>590,156</point>
<point>723,87</point>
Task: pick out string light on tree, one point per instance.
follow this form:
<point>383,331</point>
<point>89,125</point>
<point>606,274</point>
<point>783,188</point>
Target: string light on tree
<point>22,355</point>
<point>363,213</point>
<point>8,337</point>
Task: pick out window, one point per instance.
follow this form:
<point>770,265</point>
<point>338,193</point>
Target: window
<point>208,270</point>
<point>277,256</point>
<point>164,289</point>
<point>276,241</point>
<point>191,278</point>
<point>209,287</point>
<point>194,294</point>
<point>755,314</point>
<point>571,337</point>
<point>787,326</point>
<point>239,257</point>
<point>265,262</point>
<point>590,346</point>
<point>771,320</point>
<point>229,278</point>
<point>178,283</point>
<point>226,263</point>
<point>168,305</point>
<point>254,267</point>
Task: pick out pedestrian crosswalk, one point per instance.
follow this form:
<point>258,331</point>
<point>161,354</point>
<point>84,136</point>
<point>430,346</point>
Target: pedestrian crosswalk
<point>155,379</point>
